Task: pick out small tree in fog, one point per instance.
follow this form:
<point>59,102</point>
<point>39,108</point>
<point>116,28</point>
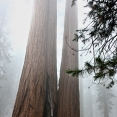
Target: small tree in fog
<point>4,41</point>
<point>104,100</point>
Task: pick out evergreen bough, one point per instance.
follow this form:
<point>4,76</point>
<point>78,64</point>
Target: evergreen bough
<point>99,38</point>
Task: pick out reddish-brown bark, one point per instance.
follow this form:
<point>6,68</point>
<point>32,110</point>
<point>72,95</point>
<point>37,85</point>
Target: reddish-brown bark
<point>68,104</point>
<point>37,87</point>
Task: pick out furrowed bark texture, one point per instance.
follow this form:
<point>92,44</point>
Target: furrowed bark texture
<point>68,105</point>
<point>37,88</point>
<point>51,103</point>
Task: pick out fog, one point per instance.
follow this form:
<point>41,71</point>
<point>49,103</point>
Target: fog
<point>15,18</point>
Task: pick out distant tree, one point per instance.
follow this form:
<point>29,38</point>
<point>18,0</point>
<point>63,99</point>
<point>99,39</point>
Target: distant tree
<point>104,101</point>
<point>5,55</point>
<point>4,41</point>
<point>100,39</point>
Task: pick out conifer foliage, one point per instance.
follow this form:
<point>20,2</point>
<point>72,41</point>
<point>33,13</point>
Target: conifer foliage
<point>99,38</point>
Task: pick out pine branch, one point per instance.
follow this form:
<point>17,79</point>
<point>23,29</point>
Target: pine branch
<point>73,2</point>
<point>75,72</point>
<point>100,34</point>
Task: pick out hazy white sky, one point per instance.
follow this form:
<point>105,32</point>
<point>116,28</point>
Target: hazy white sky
<point>60,24</point>
<point>20,17</point>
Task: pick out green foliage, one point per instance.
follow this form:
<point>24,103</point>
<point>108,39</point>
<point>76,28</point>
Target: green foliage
<point>99,38</point>
<point>73,2</point>
<point>75,72</point>
<point>102,69</point>
<point>75,37</point>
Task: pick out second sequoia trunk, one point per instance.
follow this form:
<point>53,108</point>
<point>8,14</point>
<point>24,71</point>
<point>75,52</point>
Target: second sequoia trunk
<point>68,104</point>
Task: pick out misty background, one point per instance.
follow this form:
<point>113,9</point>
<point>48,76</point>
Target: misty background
<point>15,18</point>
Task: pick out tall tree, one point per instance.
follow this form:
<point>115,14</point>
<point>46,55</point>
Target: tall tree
<point>68,103</point>
<point>36,95</point>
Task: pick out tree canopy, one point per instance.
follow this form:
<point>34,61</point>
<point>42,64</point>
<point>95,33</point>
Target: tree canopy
<point>99,38</point>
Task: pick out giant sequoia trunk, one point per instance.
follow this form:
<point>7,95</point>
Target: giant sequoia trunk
<point>68,105</point>
<point>36,95</point>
